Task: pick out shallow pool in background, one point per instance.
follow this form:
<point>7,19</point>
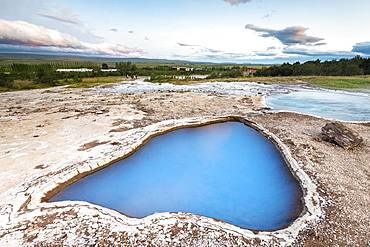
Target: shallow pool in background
<point>227,171</point>
<point>332,104</point>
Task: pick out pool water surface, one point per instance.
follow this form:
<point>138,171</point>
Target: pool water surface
<point>226,171</point>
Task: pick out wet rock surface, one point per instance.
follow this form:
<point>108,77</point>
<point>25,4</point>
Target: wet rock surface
<point>341,135</point>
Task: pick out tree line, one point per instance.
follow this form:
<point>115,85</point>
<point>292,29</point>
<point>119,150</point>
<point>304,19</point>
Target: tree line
<point>46,73</point>
<point>343,67</point>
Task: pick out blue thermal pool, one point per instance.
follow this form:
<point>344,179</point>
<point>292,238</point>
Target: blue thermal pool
<point>226,171</point>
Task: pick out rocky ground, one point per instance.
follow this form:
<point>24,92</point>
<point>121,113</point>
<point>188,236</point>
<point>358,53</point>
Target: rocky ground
<point>46,134</point>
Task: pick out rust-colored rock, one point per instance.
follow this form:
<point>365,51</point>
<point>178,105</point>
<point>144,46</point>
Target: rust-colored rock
<point>341,135</point>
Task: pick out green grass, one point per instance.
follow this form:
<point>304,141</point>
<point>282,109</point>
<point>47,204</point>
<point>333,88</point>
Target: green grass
<point>84,83</point>
<point>4,89</point>
<point>335,82</point>
<point>341,82</point>
<point>23,85</point>
<point>94,81</point>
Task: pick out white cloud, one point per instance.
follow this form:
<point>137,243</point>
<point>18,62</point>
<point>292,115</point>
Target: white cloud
<point>64,16</point>
<point>70,21</point>
<point>203,52</point>
<point>237,2</point>
<point>21,33</point>
<point>111,49</point>
<point>295,35</point>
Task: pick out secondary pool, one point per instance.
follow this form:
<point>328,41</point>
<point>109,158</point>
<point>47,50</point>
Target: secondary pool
<point>349,106</point>
<point>226,171</point>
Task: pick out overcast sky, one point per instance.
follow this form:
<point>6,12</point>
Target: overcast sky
<point>260,31</point>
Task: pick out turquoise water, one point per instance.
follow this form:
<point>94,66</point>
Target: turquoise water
<point>226,171</point>
<point>324,103</point>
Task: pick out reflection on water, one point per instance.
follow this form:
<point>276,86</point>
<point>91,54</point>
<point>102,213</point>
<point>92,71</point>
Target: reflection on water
<point>224,171</point>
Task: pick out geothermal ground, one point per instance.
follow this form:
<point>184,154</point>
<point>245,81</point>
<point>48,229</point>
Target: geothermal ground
<point>50,137</point>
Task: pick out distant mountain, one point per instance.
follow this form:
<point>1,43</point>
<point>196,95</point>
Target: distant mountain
<point>37,58</point>
<point>24,57</point>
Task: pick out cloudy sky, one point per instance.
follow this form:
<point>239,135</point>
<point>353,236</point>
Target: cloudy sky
<point>258,31</point>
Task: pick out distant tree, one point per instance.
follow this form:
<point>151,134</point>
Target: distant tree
<point>46,75</point>
<point>5,81</point>
<point>365,65</point>
<point>104,66</point>
<point>127,69</point>
<point>76,79</point>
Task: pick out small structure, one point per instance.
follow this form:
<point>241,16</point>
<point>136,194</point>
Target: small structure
<point>108,70</point>
<point>187,69</point>
<point>191,77</point>
<point>81,70</point>
<point>249,71</point>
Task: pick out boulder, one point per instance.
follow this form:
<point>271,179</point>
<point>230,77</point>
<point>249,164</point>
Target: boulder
<point>341,135</point>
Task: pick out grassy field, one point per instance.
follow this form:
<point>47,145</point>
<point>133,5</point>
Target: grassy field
<point>350,82</point>
<point>84,83</point>
<point>23,85</point>
<point>94,81</point>
<point>334,82</point>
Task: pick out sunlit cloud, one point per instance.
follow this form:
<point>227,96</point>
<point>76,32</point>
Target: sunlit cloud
<point>21,33</point>
<point>24,33</point>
